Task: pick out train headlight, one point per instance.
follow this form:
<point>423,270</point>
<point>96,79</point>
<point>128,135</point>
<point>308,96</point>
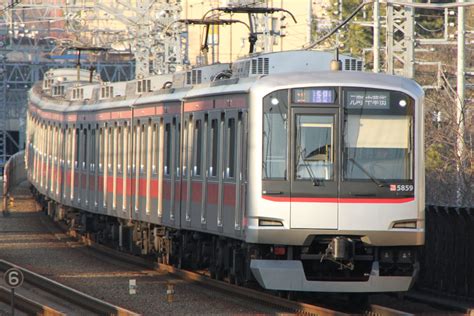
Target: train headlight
<point>274,101</point>
<point>402,103</point>
<point>269,222</point>
<point>405,224</point>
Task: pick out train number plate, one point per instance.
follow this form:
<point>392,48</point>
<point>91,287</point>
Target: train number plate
<point>401,187</point>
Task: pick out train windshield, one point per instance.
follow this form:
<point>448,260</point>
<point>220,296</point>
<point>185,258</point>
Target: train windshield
<point>314,146</point>
<point>378,135</point>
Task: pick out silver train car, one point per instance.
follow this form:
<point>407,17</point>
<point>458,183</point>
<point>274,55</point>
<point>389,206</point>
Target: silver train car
<point>272,169</point>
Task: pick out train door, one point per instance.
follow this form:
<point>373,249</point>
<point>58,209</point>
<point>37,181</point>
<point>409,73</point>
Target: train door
<point>187,169</point>
<point>195,213</point>
<point>169,169</point>
<point>137,168</point>
<point>213,173</point>
<point>313,171</point>
<point>229,188</point>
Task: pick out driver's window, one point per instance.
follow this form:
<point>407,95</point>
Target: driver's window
<point>314,147</point>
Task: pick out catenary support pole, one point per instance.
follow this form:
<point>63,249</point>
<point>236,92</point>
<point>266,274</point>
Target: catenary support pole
<point>460,100</point>
<point>376,35</point>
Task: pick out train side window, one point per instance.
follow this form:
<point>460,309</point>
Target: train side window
<point>178,149</point>
<point>93,151</point>
<point>187,127</point>
<point>110,151</point>
<point>167,149</point>
<point>68,147</point>
<point>76,153</point>
<point>197,150</point>
<point>101,149</point>
<point>214,147</point>
<point>84,155</point>
<point>143,142</point>
<point>155,144</point>
<point>275,128</point>
<point>119,149</point>
<point>230,152</point>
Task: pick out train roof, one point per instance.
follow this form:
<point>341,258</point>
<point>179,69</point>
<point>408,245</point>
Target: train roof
<point>339,78</point>
<point>256,74</point>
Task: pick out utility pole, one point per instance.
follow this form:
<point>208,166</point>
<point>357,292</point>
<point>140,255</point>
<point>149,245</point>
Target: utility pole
<point>309,37</point>
<point>376,36</point>
<point>338,34</point>
<point>460,101</point>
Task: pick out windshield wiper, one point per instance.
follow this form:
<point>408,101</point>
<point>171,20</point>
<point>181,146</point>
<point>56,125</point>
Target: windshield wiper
<point>378,182</point>
<point>316,182</point>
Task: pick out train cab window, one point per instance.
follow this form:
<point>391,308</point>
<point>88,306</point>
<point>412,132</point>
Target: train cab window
<point>275,152</point>
<point>167,147</point>
<point>314,147</point>
<point>197,150</point>
<point>231,150</point>
<point>214,141</point>
<point>378,135</point>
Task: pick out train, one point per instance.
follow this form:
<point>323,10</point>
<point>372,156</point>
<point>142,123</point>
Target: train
<point>276,168</point>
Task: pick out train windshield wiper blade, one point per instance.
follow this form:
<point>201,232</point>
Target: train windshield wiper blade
<point>378,182</point>
<point>316,182</point>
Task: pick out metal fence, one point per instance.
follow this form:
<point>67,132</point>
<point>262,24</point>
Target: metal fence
<point>447,262</point>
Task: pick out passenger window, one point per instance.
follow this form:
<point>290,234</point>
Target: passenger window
<point>101,149</point>
<point>167,149</point>
<point>143,136</point>
<point>197,150</point>
<point>110,151</point>
<point>78,147</point>
<point>187,126</point>
<point>84,155</point>
<point>231,150</point>
<point>178,150</point>
<point>93,151</point>
<point>119,149</point>
<point>214,148</point>
<point>68,147</point>
<point>155,148</point>
<point>126,157</point>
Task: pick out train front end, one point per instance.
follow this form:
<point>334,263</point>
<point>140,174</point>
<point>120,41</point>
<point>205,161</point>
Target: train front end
<point>336,182</point>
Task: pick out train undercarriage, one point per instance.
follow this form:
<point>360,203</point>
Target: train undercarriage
<point>332,259</point>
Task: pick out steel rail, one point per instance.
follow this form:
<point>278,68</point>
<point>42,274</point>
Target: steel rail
<point>245,293</point>
<point>69,294</point>
<point>27,305</point>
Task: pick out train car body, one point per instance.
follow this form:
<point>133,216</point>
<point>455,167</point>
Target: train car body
<point>303,178</point>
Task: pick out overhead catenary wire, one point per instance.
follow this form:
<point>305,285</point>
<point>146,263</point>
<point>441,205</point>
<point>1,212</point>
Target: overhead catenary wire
<point>334,30</point>
<point>390,2</point>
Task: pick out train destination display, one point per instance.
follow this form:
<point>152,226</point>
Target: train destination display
<point>368,99</point>
<point>314,95</point>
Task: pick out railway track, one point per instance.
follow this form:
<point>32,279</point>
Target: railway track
<point>297,307</point>
<point>77,243</point>
<point>73,302</point>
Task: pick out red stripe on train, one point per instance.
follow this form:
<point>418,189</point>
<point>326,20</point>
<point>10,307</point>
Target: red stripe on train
<point>336,200</point>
